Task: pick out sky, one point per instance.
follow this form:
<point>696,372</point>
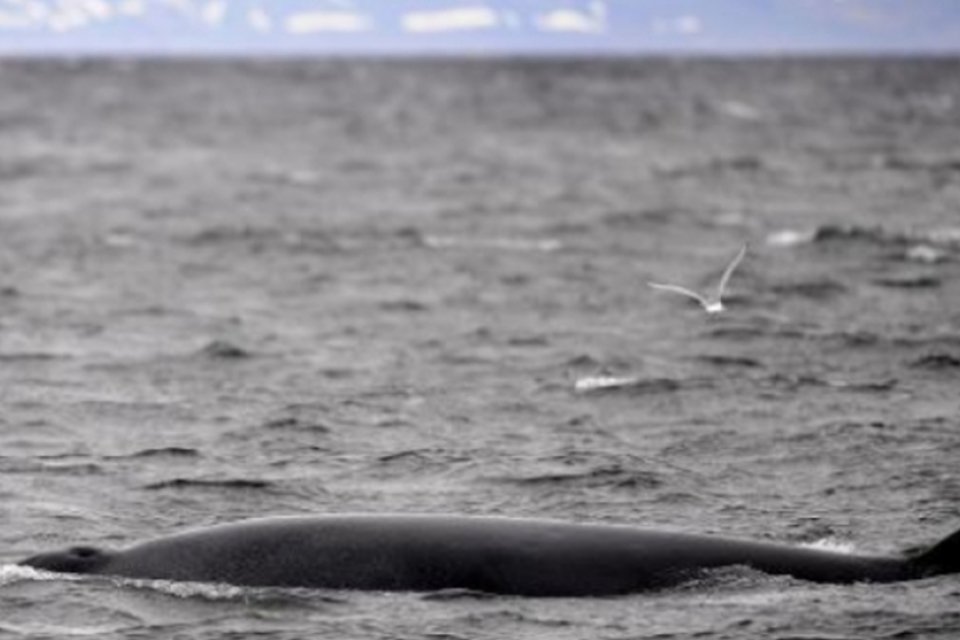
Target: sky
<point>478,27</point>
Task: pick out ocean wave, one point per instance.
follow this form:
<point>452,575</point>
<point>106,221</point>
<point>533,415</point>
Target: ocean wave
<point>201,483</point>
<point>877,234</point>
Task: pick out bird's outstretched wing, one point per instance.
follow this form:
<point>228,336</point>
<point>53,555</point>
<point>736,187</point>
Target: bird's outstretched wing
<point>730,269</point>
<point>682,291</point>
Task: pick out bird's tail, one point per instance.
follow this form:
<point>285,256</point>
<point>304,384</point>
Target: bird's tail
<point>941,558</point>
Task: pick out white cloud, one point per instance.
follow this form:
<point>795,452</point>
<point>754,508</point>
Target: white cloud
<point>131,8</point>
<point>686,25</point>
<point>98,9</point>
<point>37,11</point>
<point>259,19</point>
<point>571,20</point>
<point>467,18</point>
<point>318,21</point>
<point>689,25</point>
<point>11,21</point>
<point>184,6</point>
<point>67,21</point>
<point>213,12</point>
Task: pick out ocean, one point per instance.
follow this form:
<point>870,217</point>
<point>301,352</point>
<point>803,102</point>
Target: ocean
<point>240,288</point>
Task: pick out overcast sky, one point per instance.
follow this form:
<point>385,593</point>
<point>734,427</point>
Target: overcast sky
<point>479,26</point>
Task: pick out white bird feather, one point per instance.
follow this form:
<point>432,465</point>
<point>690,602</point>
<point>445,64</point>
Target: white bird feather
<point>711,304</point>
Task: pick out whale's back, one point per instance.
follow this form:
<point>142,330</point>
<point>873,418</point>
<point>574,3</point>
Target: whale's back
<point>499,555</point>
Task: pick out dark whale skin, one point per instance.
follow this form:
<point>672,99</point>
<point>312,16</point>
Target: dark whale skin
<point>514,556</point>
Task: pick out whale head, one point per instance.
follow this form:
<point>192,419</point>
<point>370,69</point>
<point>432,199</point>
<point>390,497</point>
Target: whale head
<point>73,560</point>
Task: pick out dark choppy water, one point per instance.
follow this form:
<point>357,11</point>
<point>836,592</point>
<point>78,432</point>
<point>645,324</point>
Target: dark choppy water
<point>239,289</point>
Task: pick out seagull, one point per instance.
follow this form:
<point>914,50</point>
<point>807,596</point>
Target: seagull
<point>710,305</point>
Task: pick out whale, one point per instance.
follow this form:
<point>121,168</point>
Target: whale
<point>493,554</point>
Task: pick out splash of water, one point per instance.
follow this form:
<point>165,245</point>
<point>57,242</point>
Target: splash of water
<point>831,544</point>
<point>13,573</point>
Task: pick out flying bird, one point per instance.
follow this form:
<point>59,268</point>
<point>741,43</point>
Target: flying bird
<point>710,304</point>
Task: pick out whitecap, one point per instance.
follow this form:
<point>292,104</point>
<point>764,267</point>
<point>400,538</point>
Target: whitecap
<point>185,590</point>
<point>740,110</point>
<point>926,254</point>
<point>220,591</point>
<point>791,237</point>
<point>831,544</point>
<point>545,245</point>
<point>594,383</point>
<point>13,573</point>
<point>48,630</point>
